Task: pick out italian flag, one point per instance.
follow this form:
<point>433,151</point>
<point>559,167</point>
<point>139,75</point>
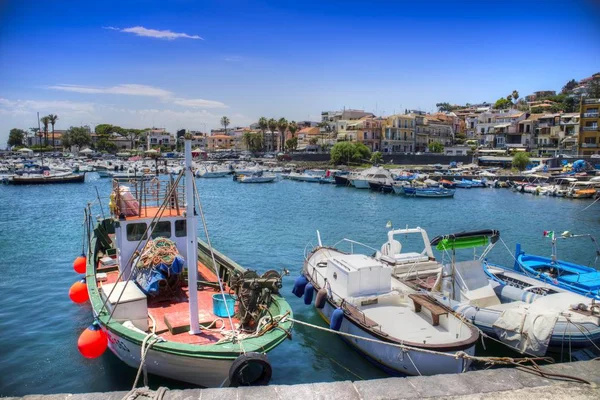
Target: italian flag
<point>549,234</point>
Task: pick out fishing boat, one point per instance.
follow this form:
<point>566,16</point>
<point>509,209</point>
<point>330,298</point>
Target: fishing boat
<point>310,175</point>
<point>256,178</point>
<point>406,333</point>
<point>544,274</point>
<point>434,192</point>
<point>331,174</point>
<point>161,298</point>
<point>45,177</point>
<point>447,184</point>
<point>212,171</point>
<point>360,179</point>
<point>582,190</point>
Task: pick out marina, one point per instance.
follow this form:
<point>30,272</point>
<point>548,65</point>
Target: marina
<point>248,239</point>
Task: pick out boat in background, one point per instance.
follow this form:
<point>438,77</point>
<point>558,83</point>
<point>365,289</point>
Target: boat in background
<point>45,178</point>
<point>256,178</point>
<point>434,192</point>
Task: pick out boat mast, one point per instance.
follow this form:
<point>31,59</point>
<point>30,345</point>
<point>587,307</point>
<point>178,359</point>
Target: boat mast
<point>192,240</point>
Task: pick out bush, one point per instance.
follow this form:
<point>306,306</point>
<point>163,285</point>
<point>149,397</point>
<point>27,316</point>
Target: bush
<point>348,152</point>
<point>376,158</point>
<point>520,160</point>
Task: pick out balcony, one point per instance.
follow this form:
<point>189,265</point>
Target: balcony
<point>590,115</point>
<point>589,145</point>
<point>590,128</point>
<point>591,101</point>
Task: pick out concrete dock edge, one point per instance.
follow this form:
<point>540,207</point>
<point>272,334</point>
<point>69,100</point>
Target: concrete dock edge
<point>501,383</point>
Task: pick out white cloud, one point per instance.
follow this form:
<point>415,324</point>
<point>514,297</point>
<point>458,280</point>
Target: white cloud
<point>20,106</point>
<point>199,103</point>
<point>130,89</point>
<point>154,33</point>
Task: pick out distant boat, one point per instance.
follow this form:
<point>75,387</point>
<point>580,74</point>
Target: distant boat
<point>434,193</point>
<point>256,178</point>
<point>46,178</point>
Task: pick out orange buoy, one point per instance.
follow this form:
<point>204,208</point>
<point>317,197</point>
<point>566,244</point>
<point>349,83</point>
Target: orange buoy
<point>79,264</point>
<point>78,292</point>
<point>93,341</point>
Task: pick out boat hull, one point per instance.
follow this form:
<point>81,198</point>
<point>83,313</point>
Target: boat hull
<point>394,360</point>
<point>360,183</point>
<point>204,372</point>
<point>18,180</point>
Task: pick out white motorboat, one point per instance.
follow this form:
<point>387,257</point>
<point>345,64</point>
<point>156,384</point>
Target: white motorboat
<point>358,295</point>
<point>517,316</point>
<point>212,171</point>
<point>257,178</point>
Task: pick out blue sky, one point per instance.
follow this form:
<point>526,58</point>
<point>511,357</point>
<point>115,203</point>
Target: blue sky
<point>185,63</point>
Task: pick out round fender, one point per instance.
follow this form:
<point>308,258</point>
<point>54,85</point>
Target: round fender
<point>337,316</point>
<point>321,298</point>
<point>250,369</point>
<point>308,294</point>
<point>299,286</point>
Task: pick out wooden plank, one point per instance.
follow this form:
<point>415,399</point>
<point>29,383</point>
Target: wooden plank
<point>422,300</point>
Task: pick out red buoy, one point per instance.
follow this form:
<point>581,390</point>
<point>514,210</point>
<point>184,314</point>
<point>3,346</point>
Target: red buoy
<point>92,342</point>
<point>79,264</point>
<point>78,292</point>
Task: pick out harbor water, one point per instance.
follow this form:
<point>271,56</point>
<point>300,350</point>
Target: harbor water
<point>263,226</point>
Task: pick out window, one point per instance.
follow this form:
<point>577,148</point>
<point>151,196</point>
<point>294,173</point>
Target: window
<point>136,232</point>
<point>482,130</point>
<point>161,229</point>
<point>589,140</point>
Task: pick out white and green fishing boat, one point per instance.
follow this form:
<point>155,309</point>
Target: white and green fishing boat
<point>213,327</point>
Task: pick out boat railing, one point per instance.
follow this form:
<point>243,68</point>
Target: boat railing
<point>148,194</point>
<point>352,243</point>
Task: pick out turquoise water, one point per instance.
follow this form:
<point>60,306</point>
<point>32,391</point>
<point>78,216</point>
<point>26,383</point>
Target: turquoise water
<point>261,227</point>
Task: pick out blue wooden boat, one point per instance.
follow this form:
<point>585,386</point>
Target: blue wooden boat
<point>566,275</point>
<point>434,192</point>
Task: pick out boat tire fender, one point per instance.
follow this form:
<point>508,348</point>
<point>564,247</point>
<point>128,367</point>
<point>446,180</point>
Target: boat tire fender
<point>321,298</point>
<point>337,317</point>
<point>254,360</point>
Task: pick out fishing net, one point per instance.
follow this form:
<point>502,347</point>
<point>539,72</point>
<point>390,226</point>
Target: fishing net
<point>159,267</point>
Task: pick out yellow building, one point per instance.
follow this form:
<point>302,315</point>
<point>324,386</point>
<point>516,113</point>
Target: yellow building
<point>398,134</point>
<point>220,142</point>
<point>589,127</point>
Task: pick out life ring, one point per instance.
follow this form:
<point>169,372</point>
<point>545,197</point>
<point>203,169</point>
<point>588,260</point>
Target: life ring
<point>250,369</point>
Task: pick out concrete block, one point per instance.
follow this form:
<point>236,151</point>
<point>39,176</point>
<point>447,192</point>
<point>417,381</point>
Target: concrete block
<point>491,380</point>
<point>588,370</point>
<point>97,396</point>
<point>389,388</point>
<point>304,391</point>
<point>187,394</point>
<point>257,392</point>
<point>439,385</point>
<point>219,394</point>
<point>335,391</point>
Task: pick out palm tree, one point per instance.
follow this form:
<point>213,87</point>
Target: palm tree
<point>515,95</point>
<point>263,124</point>
<point>46,121</point>
<point>282,125</point>
<point>293,128</point>
<point>272,124</point>
<point>225,122</point>
<point>53,118</point>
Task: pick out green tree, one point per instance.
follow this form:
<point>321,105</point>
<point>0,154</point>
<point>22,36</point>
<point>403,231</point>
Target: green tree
<point>282,125</point>
<point>34,132</point>
<point>253,141</point>
<point>348,152</point>
<point>376,158</point>
<point>502,103</point>
<point>78,136</point>
<point>53,118</point>
<point>436,147</point>
<point>46,121</point>
<point>106,146</point>
<point>225,123</point>
<point>272,124</point>
<point>293,128</point>
<point>569,86</point>
<point>104,129</point>
<point>445,107</point>
<point>133,135</point>
<point>593,90</point>
<point>291,144</point>
<point>313,141</point>
<point>522,105</point>
<point>520,160</point>
<point>570,105</point>
<point>16,137</point>
<point>263,125</point>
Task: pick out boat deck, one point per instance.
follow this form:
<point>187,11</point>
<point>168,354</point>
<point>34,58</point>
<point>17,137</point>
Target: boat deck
<point>175,311</point>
